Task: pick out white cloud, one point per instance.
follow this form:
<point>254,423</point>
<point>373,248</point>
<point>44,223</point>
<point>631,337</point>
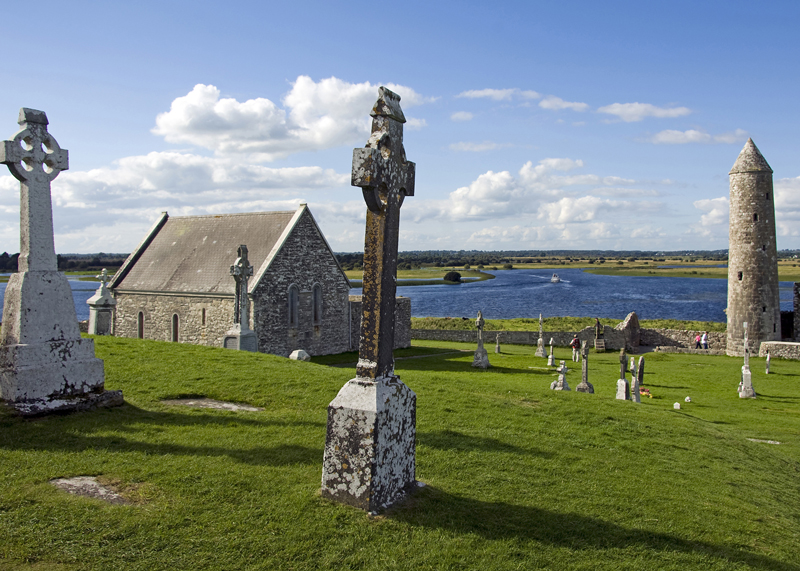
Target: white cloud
<point>314,116</point>
<point>630,112</point>
<point>499,94</point>
<point>460,116</point>
<point>714,220</point>
<point>476,147</point>
<point>556,103</point>
<point>672,137</point>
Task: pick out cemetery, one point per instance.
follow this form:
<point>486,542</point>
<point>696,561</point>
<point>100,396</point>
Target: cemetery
<point>434,455</point>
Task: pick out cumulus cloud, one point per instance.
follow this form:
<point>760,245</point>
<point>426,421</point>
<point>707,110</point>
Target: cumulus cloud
<point>460,116</point>
<point>715,211</point>
<point>476,147</point>
<point>672,137</point>
<point>556,103</point>
<point>499,94</point>
<point>313,116</point>
<point>630,112</point>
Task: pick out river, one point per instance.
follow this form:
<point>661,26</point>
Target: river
<point>526,293</point>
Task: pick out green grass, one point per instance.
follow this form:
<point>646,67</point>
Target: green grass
<point>556,324</point>
<point>519,477</point>
<point>425,276</point>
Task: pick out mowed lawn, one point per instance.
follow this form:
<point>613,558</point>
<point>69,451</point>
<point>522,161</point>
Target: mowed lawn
<point>518,476</point>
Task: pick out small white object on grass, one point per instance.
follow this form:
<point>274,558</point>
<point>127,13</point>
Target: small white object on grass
<point>676,406</point>
<point>688,399</point>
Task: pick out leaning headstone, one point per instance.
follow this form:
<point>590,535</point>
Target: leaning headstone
<point>746,390</point>
<point>497,344</point>
<point>640,371</point>
<point>540,342</point>
<point>768,360</point>
<point>585,386</point>
<point>299,355</point>
<point>561,383</point>
<point>240,336</point>
<point>551,360</point>
<point>481,359</point>
<point>369,459</point>
<point>101,307</point>
<point>45,365</point>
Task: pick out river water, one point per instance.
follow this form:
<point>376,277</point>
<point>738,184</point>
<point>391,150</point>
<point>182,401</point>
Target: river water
<point>526,293</point>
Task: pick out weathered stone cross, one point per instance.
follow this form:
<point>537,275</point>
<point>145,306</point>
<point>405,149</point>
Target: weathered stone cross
<point>386,178</point>
<point>34,158</point>
<point>104,279</point>
<point>241,270</point>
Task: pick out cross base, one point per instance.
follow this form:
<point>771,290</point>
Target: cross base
<point>540,348</point>
<point>240,339</point>
<point>746,390</point>
<point>369,460</point>
<point>585,387</point>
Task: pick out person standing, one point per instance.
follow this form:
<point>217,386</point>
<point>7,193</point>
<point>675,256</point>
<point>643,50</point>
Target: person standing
<point>576,345</point>
<point>704,339</point>
<point>697,344</point>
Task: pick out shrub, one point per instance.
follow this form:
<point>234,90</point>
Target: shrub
<point>508,267</point>
<point>452,277</point>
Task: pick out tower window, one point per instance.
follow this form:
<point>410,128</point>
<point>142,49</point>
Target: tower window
<point>764,309</point>
<point>774,327</point>
<point>764,248</point>
<point>740,276</point>
<point>755,217</point>
<point>767,196</point>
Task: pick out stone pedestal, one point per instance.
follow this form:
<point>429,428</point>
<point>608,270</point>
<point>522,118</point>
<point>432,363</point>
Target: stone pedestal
<point>746,390</point>
<point>481,359</point>
<point>585,387</point>
<point>551,360</point>
<point>540,348</point>
<point>623,390</point>
<point>369,459</point>
<point>241,339</point>
<point>101,308</point>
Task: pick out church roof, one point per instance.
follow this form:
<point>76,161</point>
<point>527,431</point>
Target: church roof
<point>750,160</point>
<point>193,254</point>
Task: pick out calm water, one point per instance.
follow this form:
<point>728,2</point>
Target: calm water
<point>526,293</point>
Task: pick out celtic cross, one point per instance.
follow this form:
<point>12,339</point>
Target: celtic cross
<point>386,178</point>
<point>104,279</point>
<point>34,158</point>
<point>241,270</point>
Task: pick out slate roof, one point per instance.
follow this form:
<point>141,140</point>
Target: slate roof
<point>193,254</point>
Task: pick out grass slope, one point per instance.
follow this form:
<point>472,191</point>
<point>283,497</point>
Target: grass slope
<point>519,477</point>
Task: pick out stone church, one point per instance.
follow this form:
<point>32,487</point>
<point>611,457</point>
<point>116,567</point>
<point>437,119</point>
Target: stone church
<point>176,285</point>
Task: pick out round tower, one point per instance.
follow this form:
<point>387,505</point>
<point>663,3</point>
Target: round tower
<point>752,254</point>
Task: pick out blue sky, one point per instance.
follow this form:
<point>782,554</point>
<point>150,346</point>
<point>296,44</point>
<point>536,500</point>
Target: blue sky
<point>534,125</point>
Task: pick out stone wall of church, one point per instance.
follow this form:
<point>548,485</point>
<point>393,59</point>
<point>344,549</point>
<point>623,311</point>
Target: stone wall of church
<point>201,320</point>
<point>303,261</point>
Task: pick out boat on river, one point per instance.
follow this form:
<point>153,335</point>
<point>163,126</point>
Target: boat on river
<point>555,279</point>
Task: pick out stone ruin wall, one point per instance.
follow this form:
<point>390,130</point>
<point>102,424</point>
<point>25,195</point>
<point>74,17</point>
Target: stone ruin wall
<point>303,261</point>
<point>158,310</point>
<point>402,322</point>
<point>780,349</point>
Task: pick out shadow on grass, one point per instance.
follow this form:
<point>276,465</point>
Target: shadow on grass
<point>452,440</point>
<point>75,433</point>
<point>434,508</point>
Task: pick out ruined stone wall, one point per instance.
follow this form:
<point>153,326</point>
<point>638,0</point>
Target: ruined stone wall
<point>614,339</point>
<point>158,310</point>
<point>303,261</point>
<point>752,261</point>
<point>402,322</point>
<point>780,349</point>
<point>680,338</point>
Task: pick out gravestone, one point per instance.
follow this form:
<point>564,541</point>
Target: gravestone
<point>101,307</point>
<point>640,371</point>
<point>623,363</point>
<point>635,394</point>
<point>45,365</point>
<point>481,359</point>
<point>497,344</point>
<point>561,383</point>
<point>240,336</point>
<point>746,390</point>
<point>767,363</point>
<point>551,360</point>
<point>623,388</point>
<point>369,458</point>
<point>540,342</point>
<point>585,386</point>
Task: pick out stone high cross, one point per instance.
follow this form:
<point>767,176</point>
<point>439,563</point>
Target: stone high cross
<point>34,158</point>
<point>241,270</point>
<point>104,278</point>
<point>386,178</point>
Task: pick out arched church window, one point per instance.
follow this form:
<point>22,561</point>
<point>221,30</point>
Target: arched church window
<point>294,306</point>
<point>316,300</point>
<point>175,327</point>
<point>140,325</point>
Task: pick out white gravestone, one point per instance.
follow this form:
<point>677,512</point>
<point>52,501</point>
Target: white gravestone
<point>746,390</point>
<point>481,359</point>
<point>540,342</point>
<point>561,383</point>
<point>240,336</point>
<point>585,386</point>
<point>551,360</point>
<point>45,365</point>
<point>101,307</point>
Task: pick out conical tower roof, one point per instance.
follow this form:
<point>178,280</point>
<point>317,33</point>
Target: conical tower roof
<point>750,160</point>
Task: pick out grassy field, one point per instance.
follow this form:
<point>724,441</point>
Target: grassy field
<point>424,276</point>
<point>556,324</point>
<point>518,476</point>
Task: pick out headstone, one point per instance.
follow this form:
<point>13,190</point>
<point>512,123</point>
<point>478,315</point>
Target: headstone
<point>101,307</point>
<point>369,459</point>
<point>746,390</point>
<point>585,386</point>
<point>497,344</point>
<point>481,359</point>
<point>688,399</point>
<point>540,342</point>
<point>240,336</point>
<point>636,396</point>
<point>676,406</point>
<point>640,371</point>
<point>299,355</point>
<point>551,360</point>
<point>561,383</point>
<point>632,366</point>
<point>45,365</point>
<point>623,390</point>
<point>623,363</point>
<point>768,360</point>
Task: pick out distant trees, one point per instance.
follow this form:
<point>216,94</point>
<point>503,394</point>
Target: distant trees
<point>452,277</point>
<point>8,263</point>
